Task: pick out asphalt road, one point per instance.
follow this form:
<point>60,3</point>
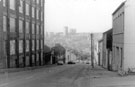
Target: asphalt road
<point>76,75</point>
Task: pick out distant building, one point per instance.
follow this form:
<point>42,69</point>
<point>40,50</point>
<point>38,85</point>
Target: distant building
<point>70,56</point>
<point>96,38</point>
<point>100,52</point>
<point>51,34</point>
<point>107,50</point>
<point>66,30</point>
<point>59,34</point>
<point>72,31</point>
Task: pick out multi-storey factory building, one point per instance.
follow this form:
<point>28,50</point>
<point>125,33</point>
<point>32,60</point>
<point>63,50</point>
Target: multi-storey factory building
<point>21,33</point>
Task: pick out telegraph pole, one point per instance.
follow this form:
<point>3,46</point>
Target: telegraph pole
<point>92,51</point>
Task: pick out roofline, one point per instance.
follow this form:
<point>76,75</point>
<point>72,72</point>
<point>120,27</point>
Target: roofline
<point>122,4</point>
<point>100,40</point>
<point>108,30</point>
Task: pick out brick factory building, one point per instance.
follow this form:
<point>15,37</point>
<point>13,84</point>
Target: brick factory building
<point>21,33</point>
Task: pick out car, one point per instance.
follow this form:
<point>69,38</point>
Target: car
<point>60,63</point>
<point>71,62</point>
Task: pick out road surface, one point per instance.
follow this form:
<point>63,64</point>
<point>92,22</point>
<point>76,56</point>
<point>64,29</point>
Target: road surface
<point>59,76</point>
<point>76,75</point>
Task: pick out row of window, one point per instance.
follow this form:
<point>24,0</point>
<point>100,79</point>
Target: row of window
<point>12,6</point>
<point>12,3</point>
<point>12,46</point>
<point>38,2</point>
<point>21,28</point>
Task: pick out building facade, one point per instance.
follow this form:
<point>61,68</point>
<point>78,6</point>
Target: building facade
<point>123,37</point>
<point>118,37</point>
<point>70,56</point>
<point>107,50</point>
<point>22,33</point>
<point>100,52</point>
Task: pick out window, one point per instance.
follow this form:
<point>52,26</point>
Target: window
<point>12,24</point>
<point>27,45</point>
<point>20,46</point>
<point>37,14</point>
<point>12,4</point>
<point>27,9</point>
<point>37,1</point>
<point>41,44</point>
<point>4,3</point>
<point>33,28</point>
<point>37,30</point>
<point>42,30</point>
<point>12,47</point>
<point>42,2</point>
<point>21,6</point>
<point>27,27</point>
<point>42,16</point>
<point>33,12</point>
<point>37,44</point>
<point>4,23</point>
<point>33,45</point>
<point>20,26</point>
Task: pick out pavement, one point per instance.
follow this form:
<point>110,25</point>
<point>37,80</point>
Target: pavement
<point>74,75</point>
<point>10,70</point>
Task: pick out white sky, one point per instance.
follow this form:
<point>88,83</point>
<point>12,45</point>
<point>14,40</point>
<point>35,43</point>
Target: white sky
<point>84,15</point>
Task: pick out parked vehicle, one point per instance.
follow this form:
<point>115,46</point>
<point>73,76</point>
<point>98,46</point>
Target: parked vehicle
<point>71,62</point>
<point>60,62</point>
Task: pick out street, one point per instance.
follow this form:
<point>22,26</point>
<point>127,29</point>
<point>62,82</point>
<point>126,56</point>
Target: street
<point>76,75</point>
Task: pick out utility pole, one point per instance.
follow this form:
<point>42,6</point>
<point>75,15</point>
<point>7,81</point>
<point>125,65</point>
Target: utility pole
<point>92,51</point>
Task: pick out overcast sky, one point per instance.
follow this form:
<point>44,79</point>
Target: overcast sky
<point>83,15</point>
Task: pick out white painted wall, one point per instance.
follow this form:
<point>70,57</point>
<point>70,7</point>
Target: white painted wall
<point>118,37</point>
<point>129,38</point>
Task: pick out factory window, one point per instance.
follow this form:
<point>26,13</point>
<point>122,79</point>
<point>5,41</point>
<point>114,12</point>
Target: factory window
<point>4,3</point>
<point>33,45</point>
<point>37,29</point>
<point>20,46</point>
<point>20,26</point>
<point>33,12</point>
<point>21,6</point>
<point>37,13</point>
<point>4,23</point>
<point>12,24</point>
<point>37,44</point>
<point>27,45</point>
<point>37,1</point>
<point>27,9</point>
<point>42,15</point>
<point>42,2</point>
<point>12,47</point>
<point>41,44</point>
<point>12,4</point>
<point>33,28</point>
<point>42,30</point>
<point>27,27</point>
